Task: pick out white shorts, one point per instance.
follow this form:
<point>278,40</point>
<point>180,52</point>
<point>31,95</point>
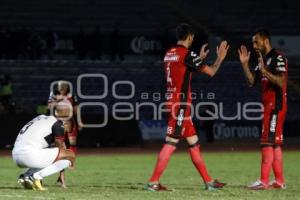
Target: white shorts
<point>35,158</point>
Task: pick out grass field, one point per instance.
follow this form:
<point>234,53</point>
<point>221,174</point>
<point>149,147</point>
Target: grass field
<point>124,176</point>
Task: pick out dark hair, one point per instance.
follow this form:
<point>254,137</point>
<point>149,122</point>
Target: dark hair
<point>183,31</point>
<point>263,33</point>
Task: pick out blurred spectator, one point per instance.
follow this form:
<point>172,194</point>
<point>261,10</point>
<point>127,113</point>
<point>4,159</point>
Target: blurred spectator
<point>2,42</point>
<point>51,38</point>
<point>166,38</point>
<point>42,108</point>
<point>10,44</point>
<point>6,93</point>
<point>96,44</point>
<point>18,40</point>
<point>14,42</point>
<point>24,36</point>
<point>35,45</point>
<point>208,124</point>
<point>80,44</point>
<point>116,44</point>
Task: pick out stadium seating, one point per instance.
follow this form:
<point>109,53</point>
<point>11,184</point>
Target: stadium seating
<point>134,15</point>
<point>143,16</point>
<point>32,79</point>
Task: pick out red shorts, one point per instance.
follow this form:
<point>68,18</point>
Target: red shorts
<point>74,129</point>
<point>179,127</point>
<point>272,127</point>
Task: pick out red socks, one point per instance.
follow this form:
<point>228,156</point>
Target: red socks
<point>162,162</point>
<point>165,154</point>
<point>278,165</point>
<point>199,163</point>
<point>272,157</point>
<point>266,163</point>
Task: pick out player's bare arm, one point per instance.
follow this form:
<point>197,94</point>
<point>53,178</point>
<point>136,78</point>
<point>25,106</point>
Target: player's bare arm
<point>61,178</point>
<point>244,55</point>
<point>51,104</point>
<point>277,79</point>
<point>60,144</point>
<point>221,51</point>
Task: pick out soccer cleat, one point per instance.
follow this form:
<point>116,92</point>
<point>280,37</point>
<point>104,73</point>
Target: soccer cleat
<point>276,185</point>
<point>258,185</point>
<point>28,183</point>
<point>21,180</point>
<point>37,184</point>
<point>155,187</point>
<point>25,181</point>
<point>213,185</point>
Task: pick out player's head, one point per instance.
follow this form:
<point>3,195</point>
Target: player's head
<point>63,87</point>
<point>185,33</point>
<point>63,109</point>
<point>261,40</point>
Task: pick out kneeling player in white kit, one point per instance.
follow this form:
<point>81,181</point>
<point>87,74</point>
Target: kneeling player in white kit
<point>33,149</point>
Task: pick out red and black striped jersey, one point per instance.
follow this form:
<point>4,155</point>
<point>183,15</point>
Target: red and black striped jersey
<point>179,63</point>
<point>273,96</point>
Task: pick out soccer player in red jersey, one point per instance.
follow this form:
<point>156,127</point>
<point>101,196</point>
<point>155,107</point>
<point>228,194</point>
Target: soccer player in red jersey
<point>61,92</point>
<point>179,64</point>
<point>272,71</point>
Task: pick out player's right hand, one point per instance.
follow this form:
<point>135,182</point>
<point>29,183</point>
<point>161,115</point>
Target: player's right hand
<point>244,54</point>
<point>222,50</point>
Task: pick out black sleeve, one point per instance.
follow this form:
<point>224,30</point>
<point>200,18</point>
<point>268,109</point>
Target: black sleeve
<point>58,129</point>
<point>193,61</point>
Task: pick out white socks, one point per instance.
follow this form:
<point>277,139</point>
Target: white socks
<point>52,169</point>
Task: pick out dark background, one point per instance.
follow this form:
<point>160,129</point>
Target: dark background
<point>43,41</point>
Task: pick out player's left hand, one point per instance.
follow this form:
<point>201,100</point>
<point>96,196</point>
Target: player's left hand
<point>261,63</point>
<point>203,53</point>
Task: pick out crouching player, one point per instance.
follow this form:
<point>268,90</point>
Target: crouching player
<point>32,148</point>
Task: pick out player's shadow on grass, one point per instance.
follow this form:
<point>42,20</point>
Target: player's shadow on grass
<point>236,186</point>
<point>141,187</point>
<point>10,188</point>
<point>128,186</point>
<point>201,187</point>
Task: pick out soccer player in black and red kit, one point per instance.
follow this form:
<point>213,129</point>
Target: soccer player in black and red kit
<point>180,63</point>
<point>272,71</point>
<point>72,127</point>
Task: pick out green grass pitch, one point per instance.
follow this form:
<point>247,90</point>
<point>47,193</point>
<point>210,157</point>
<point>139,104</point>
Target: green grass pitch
<point>123,176</point>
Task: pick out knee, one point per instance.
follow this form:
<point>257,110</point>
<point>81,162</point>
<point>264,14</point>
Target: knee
<point>71,155</point>
<point>194,144</point>
<point>72,140</point>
